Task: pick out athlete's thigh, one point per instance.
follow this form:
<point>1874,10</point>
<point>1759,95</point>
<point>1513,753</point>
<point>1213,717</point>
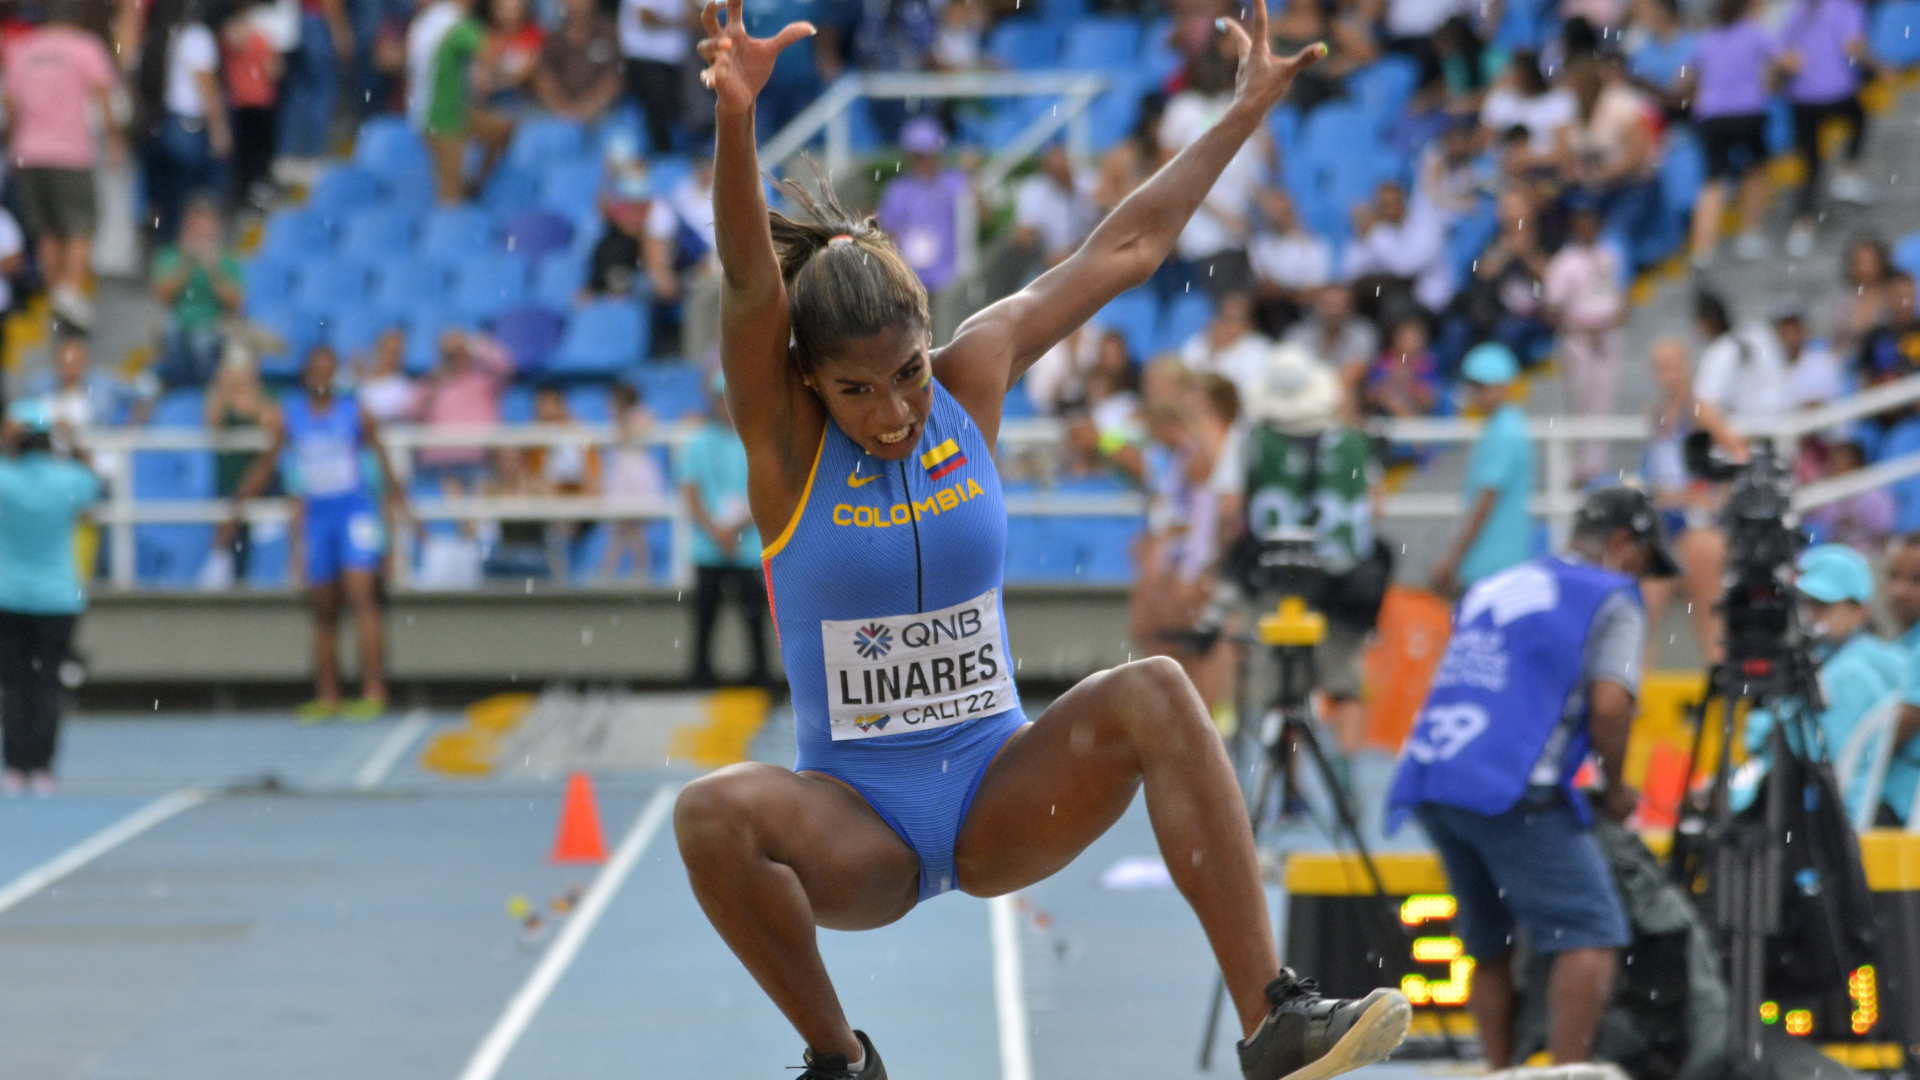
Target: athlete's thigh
<point>1057,785</point>
<point>856,871</point>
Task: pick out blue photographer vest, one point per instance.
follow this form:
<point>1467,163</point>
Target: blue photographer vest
<point>1518,646</point>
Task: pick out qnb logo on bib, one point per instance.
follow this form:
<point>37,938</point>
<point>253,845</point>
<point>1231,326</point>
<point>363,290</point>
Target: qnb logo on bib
<point>915,672</point>
<point>1445,730</point>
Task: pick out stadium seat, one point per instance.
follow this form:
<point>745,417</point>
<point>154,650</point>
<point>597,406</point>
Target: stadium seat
<point>671,390</point>
<point>558,279</point>
<point>1383,88</point>
<point>1893,36</point>
<point>590,404</point>
<point>510,190</point>
<point>1906,253</point>
<point>1185,316</point>
<point>535,234</point>
<point>268,283</point>
<point>403,286</point>
<point>331,285</point>
<point>529,334</point>
<point>388,148</point>
<point>1158,59</point>
<point>354,331</point>
<point>1018,405</point>
<point>1135,314</point>
<point>1682,173</point>
<point>294,236</point>
<point>377,232</point>
<point>1116,112</point>
<point>454,234</point>
<point>486,285</point>
<point>170,556</point>
<point>542,140</point>
<point>179,409</point>
<point>516,404</point>
<point>1023,43</point>
<point>601,338</point>
<point>297,332</point>
<point>1101,44</point>
<point>572,188</point>
<point>1063,13</point>
<point>1036,552</point>
<point>343,189</point>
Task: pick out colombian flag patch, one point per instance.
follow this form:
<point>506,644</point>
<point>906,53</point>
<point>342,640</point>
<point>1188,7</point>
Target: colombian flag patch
<point>943,459</point>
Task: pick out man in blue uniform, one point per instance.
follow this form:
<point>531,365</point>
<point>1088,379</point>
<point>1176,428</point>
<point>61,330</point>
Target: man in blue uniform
<point>1543,665</point>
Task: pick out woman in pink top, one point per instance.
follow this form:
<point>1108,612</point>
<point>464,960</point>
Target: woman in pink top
<point>463,391</point>
<point>1585,301</point>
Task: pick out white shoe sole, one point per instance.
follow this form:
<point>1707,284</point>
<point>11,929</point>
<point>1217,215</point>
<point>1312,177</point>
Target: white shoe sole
<point>1370,1039</point>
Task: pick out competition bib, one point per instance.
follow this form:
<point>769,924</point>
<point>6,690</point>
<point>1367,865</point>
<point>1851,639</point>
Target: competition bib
<point>328,466</point>
<point>916,672</point>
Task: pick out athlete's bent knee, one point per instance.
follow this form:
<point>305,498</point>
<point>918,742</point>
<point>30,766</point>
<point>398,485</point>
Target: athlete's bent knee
<point>716,806</point>
<point>1158,700</point>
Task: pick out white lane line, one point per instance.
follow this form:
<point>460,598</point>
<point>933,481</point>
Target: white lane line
<point>493,1051</point>
<point>391,750</point>
<point>98,844</point>
<point>1009,990</point>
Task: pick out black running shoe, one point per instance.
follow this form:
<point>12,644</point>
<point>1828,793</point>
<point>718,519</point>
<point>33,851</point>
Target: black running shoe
<point>1308,1037</point>
<point>834,1066</point>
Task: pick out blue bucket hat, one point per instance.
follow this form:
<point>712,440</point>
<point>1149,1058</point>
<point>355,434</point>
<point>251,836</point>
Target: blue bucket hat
<point>1490,364</point>
<point>1831,573</point>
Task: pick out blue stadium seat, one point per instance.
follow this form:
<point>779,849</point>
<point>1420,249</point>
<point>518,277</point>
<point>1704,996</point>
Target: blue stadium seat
<point>1063,13</point>
<point>1906,253</point>
<point>510,190</point>
<point>1284,124</point>
<point>1185,316</point>
<point>1116,112</point>
<point>1383,88</point>
<point>1099,547</point>
<point>1036,552</point>
<point>535,234</point>
<point>268,283</point>
<point>571,188</point>
<point>1101,44</point>
<point>516,404</point>
<point>590,404</point>
<point>403,286</point>
<point>529,334</point>
<point>377,232</point>
<point>671,390</point>
<point>297,331</point>
<point>179,409</point>
<point>170,556</point>
<point>343,189</point>
<point>1682,173</point>
<point>1135,314</point>
<point>1893,36</point>
<point>542,140</point>
<point>1023,43</point>
<point>1018,405</point>
<point>455,234</point>
<point>601,338</point>
<point>487,285</point>
<point>354,331</point>
<point>294,236</point>
<point>388,148</point>
<point>331,285</point>
<point>557,281</point>
<point>1158,59</point>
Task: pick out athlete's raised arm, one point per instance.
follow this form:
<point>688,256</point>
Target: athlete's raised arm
<point>778,419</point>
<point>995,347</point>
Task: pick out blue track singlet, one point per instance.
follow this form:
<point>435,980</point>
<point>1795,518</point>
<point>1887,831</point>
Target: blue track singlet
<point>886,592</point>
<point>339,526</point>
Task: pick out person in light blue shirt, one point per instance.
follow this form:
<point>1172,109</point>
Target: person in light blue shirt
<point>711,470</point>
<point>1903,604</point>
<point>1858,670</point>
<point>41,596</point>
<point>1498,529</point>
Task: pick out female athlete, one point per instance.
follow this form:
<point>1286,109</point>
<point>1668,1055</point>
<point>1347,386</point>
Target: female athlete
<point>870,464</point>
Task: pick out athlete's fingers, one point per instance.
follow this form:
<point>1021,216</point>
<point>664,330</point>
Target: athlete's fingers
<point>1305,58</point>
<point>1259,14</point>
<point>1242,44</point>
<point>710,18</point>
<point>707,49</point>
<point>791,33</point>
<point>735,20</point>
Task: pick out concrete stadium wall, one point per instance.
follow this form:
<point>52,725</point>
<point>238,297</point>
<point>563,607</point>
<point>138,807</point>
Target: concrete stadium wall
<point>489,636</point>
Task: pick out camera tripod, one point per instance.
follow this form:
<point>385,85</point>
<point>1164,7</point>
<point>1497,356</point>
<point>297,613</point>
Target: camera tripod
<point>1287,733</point>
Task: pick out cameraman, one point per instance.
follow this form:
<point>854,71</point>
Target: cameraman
<point>1544,661</point>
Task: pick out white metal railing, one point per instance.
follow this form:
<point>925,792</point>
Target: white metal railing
<point>1555,502</point>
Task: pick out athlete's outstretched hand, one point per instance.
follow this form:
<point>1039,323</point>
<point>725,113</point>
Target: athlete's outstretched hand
<point>1264,77</point>
<point>738,66</point>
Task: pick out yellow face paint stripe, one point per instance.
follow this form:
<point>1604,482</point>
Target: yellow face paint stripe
<point>806,493</point>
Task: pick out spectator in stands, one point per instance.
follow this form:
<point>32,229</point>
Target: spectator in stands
<point>384,389</point>
<point>1741,371</point>
<point>325,45</point>
<point>1521,98</point>
<point>1214,243</point>
<point>1497,531</point>
<point>1289,263</point>
<point>181,116</point>
<point>1608,153</point>
<point>633,474</point>
<point>1455,175</point>
<point>617,265</point>
<point>1687,505</point>
<point>894,36</point>
<point>1400,249</point>
<point>1586,300</point>
<point>679,256</point>
<point>711,470</point>
<point>560,468</point>
<point>1404,380</point>
<point>79,398</point>
<point>1059,378</point>
<point>503,68</point>
<point>463,392</point>
<point>56,77</point>
<point>578,75</point>
<point>1113,404</point>
<point>1862,304</point>
<point>251,67</point>
<point>1733,66</point>
<point>1862,522</point>
<point>1902,591</point>
<point>1892,350</point>
<point>1663,55</point>
<point>1128,163</point>
<point>236,401</point>
<point>1230,346</point>
<point>1053,210</point>
<point>441,45</point>
<point>656,37</point>
<point>1824,50</point>
<point>198,282</point>
<point>918,207</point>
<point>41,594</point>
<point>960,43</point>
<point>1501,301</point>
<point>1335,335</point>
<point>1815,373</point>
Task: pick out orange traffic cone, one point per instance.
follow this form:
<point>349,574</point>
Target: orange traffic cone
<point>579,839</point>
